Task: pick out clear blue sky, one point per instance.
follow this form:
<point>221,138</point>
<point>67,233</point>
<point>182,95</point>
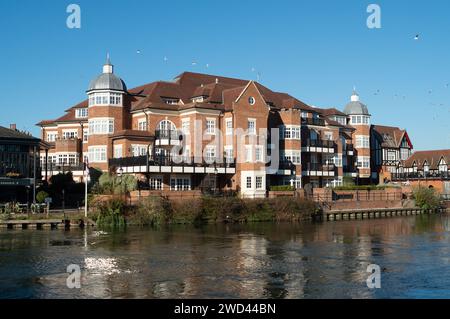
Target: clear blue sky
<point>315,50</point>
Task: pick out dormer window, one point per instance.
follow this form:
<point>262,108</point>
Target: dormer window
<point>198,99</point>
<point>171,101</point>
<point>81,113</point>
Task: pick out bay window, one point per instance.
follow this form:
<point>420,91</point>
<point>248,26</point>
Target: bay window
<point>101,126</point>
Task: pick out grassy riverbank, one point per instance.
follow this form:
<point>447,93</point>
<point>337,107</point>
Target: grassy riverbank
<point>161,211</point>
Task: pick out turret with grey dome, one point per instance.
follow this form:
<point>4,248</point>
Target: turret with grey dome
<point>107,80</point>
<point>107,89</point>
<point>355,107</point>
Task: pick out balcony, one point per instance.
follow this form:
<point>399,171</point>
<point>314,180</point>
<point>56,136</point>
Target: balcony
<point>72,145</point>
<point>318,146</point>
<point>53,169</point>
<point>169,164</point>
<point>420,175</point>
<point>168,137</point>
<point>315,169</point>
<point>313,121</point>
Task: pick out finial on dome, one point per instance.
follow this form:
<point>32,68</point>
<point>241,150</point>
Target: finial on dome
<point>108,67</point>
<point>355,95</point>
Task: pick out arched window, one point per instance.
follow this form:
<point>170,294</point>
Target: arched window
<point>166,125</point>
<point>166,129</point>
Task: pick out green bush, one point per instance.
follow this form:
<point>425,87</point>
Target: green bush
<point>113,184</point>
<point>426,198</point>
<point>153,211</point>
<point>348,181</point>
<point>111,213</point>
<point>282,188</point>
<point>41,196</point>
<point>156,211</point>
<point>360,188</point>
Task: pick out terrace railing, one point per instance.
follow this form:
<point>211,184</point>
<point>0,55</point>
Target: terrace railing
<point>421,175</point>
<point>319,143</point>
<point>176,161</point>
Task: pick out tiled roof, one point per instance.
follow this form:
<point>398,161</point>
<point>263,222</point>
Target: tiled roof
<point>390,136</point>
<point>220,93</point>
<point>432,158</point>
<point>7,133</point>
<point>332,111</point>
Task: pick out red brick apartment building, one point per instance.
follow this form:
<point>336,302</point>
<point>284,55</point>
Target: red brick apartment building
<point>205,131</point>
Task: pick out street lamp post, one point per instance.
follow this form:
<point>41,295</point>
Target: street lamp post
<point>121,179</point>
<point>216,172</point>
<point>28,199</point>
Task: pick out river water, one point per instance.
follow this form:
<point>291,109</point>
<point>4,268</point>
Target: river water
<point>264,260</point>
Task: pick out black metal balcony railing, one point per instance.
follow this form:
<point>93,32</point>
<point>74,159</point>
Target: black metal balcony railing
<point>179,161</point>
<point>169,134</point>
<point>319,143</point>
<point>62,167</point>
<point>316,167</point>
<point>286,165</point>
<point>313,121</point>
<point>421,175</point>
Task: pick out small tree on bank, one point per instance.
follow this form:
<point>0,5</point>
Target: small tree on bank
<point>426,198</point>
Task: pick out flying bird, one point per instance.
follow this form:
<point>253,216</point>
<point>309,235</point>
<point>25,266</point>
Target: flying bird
<point>416,37</point>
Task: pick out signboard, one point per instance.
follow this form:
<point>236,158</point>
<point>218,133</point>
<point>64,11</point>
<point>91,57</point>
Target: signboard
<point>16,181</point>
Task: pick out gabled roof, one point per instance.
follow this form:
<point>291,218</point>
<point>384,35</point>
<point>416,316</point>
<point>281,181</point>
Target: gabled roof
<point>390,136</point>
<point>432,158</point>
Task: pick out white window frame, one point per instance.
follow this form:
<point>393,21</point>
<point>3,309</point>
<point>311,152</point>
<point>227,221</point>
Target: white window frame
<point>211,126</point>
<point>138,150</point>
<point>251,126</point>
<point>69,134</point>
<point>52,136</point>
<point>186,126</point>
<point>259,154</point>
<point>101,126</point>
<point>229,126</point>
<point>293,156</point>
<point>362,141</point>
<point>85,136</point>
<point>156,183</point>
<point>228,153</point>
<point>98,154</point>
<point>363,162</point>
<point>118,151</point>
<point>81,113</point>
<point>259,182</point>
<point>142,124</point>
<point>248,154</point>
<point>248,182</point>
<point>210,153</point>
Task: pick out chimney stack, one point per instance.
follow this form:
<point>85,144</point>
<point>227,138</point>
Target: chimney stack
<point>13,127</point>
